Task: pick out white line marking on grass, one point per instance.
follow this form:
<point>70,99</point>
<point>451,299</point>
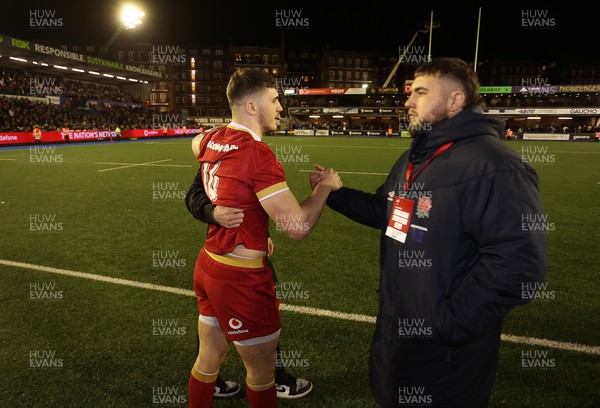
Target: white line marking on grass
<point>328,313</point>
<point>100,278</point>
<point>7,159</point>
<point>351,172</point>
<point>134,165</point>
<point>530,341</point>
<point>149,165</point>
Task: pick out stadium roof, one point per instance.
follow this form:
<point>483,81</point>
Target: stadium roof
<point>46,60</point>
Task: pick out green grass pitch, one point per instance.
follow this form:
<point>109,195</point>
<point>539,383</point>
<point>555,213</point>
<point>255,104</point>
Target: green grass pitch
<point>116,210</point>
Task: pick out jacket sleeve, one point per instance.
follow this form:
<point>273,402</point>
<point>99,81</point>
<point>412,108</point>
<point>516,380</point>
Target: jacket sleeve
<point>512,256</point>
<point>364,208</point>
<point>197,202</point>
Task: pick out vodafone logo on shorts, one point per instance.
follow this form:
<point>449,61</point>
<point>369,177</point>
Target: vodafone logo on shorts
<point>236,325</point>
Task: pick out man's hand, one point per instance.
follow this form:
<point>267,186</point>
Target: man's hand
<point>329,177</point>
<point>228,217</point>
<point>316,176</point>
<point>270,247</point>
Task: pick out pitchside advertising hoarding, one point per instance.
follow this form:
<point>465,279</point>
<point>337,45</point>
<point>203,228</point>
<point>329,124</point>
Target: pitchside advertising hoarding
<point>8,138</point>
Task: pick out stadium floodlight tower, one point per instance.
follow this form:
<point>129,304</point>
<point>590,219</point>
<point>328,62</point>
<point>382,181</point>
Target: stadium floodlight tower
<point>130,18</point>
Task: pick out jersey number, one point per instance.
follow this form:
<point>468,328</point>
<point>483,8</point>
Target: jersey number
<point>210,179</point>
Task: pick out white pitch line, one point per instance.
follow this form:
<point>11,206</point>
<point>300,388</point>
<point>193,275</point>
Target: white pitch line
<point>529,341</point>
<point>99,278</point>
<point>351,172</point>
<point>149,165</point>
<point>134,165</point>
<point>7,159</point>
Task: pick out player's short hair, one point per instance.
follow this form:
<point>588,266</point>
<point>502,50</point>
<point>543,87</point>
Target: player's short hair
<point>248,81</point>
<point>455,70</point>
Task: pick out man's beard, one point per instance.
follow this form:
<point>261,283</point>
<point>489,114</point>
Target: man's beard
<point>437,115</point>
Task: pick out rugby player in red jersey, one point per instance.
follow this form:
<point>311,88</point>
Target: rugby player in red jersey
<point>233,283</point>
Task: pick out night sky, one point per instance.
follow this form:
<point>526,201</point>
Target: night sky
<point>553,34</point>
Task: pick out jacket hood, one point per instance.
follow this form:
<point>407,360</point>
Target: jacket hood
<point>470,122</point>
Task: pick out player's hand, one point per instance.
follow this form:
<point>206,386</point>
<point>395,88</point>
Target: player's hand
<point>270,247</point>
<point>228,217</point>
<point>328,177</point>
<point>316,176</point>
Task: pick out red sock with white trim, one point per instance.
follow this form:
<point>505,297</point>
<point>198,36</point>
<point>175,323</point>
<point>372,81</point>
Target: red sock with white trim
<point>201,387</point>
<point>262,396</point>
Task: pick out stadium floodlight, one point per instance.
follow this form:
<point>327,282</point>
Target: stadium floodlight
<point>131,17</point>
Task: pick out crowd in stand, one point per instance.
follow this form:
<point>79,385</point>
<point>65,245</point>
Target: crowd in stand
<point>22,115</point>
<point>88,106</point>
<point>22,83</point>
<point>85,106</point>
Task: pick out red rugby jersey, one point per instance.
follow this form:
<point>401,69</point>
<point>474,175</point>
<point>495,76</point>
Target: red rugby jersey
<point>239,170</point>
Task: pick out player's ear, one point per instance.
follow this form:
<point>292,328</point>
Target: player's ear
<point>196,144</point>
<point>251,107</point>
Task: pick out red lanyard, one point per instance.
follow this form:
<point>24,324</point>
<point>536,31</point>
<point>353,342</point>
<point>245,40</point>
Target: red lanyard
<point>409,169</point>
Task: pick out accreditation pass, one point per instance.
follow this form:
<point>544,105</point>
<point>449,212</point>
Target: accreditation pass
<point>400,219</point>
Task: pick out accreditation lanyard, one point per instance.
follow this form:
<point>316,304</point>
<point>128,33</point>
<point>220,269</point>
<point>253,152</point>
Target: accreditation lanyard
<point>402,207</point>
<point>409,169</point>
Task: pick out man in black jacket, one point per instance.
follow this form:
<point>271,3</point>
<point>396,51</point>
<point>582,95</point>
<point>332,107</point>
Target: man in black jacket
<point>454,252</point>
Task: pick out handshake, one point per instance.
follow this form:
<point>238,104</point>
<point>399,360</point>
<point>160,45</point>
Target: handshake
<point>325,177</point>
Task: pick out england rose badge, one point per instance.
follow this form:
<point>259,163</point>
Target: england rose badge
<point>423,207</point>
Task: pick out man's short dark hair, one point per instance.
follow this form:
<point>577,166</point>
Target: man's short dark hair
<point>457,70</point>
<point>248,81</point>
